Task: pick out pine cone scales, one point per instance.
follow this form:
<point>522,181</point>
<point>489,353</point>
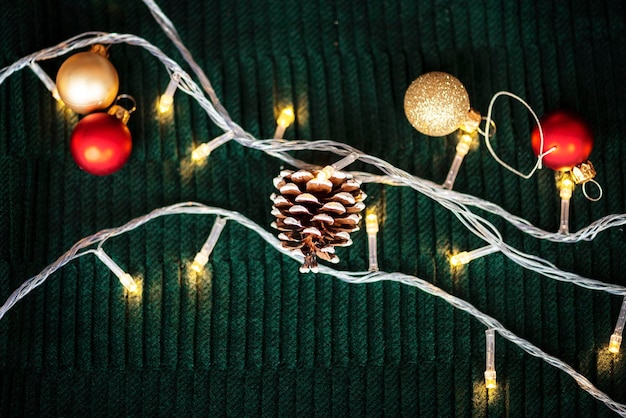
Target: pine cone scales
<point>315,212</point>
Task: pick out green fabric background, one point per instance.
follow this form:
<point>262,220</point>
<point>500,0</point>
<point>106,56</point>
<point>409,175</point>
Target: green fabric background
<point>257,337</point>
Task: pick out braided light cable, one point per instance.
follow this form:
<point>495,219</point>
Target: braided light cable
<point>192,208</point>
<point>456,202</point>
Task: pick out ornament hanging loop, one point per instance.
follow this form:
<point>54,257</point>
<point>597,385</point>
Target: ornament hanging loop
<point>121,112</point>
<point>491,128</point>
<point>591,198</point>
<point>130,98</point>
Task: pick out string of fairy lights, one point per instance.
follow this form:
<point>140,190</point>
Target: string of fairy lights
<point>426,112</point>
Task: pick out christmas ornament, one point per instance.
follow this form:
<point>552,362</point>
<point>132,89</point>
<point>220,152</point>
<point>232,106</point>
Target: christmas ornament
<point>570,137</point>
<point>101,142</point>
<point>87,81</point>
<point>567,142</point>
<point>437,104</point>
<point>315,212</point>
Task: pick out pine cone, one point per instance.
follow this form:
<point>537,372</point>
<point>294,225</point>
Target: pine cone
<point>315,212</point>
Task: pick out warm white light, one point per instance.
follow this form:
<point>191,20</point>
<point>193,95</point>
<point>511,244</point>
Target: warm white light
<point>127,281</point>
<point>490,379</point>
<point>201,152</point>
<point>371,223</point>
<point>462,148</point>
<point>616,337</point>
<point>46,80</point>
<point>615,343</point>
<point>565,184</point>
<point>202,257</point>
<point>459,259</point>
<point>57,97</point>
<point>465,257</point>
<point>286,118</point>
<point>204,150</point>
<point>490,368</point>
<point>566,188</point>
<point>325,173</point>
<point>371,227</point>
<point>165,103</point>
<point>167,98</point>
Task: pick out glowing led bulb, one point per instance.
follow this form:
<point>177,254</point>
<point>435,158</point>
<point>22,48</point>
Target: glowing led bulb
<point>467,256</point>
<point>165,103</point>
<point>129,283</point>
<point>490,379</point>
<point>56,95</point>
<point>46,80</point>
<point>167,98</point>
<point>615,343</point>
<point>566,189</point>
<point>203,255</point>
<point>616,338</point>
<point>126,279</point>
<point>202,151</point>
<point>565,184</point>
<point>490,368</point>
<point>467,132</point>
<point>286,118</point>
<point>325,173</point>
<point>371,227</point>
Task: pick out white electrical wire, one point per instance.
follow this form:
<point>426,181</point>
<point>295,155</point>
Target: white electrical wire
<point>186,83</point>
<point>456,202</point>
<point>481,227</point>
<point>192,208</point>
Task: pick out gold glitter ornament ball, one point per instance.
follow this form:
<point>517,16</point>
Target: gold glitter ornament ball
<point>436,104</point>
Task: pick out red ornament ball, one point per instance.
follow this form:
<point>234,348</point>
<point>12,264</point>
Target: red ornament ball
<point>101,144</point>
<point>569,134</point>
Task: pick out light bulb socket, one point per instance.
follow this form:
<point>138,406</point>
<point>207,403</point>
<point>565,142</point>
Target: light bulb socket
<point>286,117</point>
<point>615,343</point>
<point>460,259</point>
<point>490,379</point>
<point>371,224</point>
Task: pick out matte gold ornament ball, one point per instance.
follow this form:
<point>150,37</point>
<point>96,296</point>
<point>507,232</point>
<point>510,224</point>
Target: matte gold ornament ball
<point>87,81</point>
<point>436,104</point>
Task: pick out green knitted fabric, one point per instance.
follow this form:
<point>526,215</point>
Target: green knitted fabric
<point>255,337</point>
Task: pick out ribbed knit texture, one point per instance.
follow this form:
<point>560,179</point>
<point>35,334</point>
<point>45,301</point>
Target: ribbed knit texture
<point>254,337</point>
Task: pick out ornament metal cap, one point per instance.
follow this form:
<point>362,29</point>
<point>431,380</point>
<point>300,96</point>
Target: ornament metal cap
<point>583,172</point>
<point>100,50</point>
<point>121,112</point>
<point>471,124</point>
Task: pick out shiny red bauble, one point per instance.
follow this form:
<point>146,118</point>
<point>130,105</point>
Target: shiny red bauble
<point>569,134</point>
<point>101,144</point>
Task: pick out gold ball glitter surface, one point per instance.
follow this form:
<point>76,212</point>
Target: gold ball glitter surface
<point>436,103</point>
